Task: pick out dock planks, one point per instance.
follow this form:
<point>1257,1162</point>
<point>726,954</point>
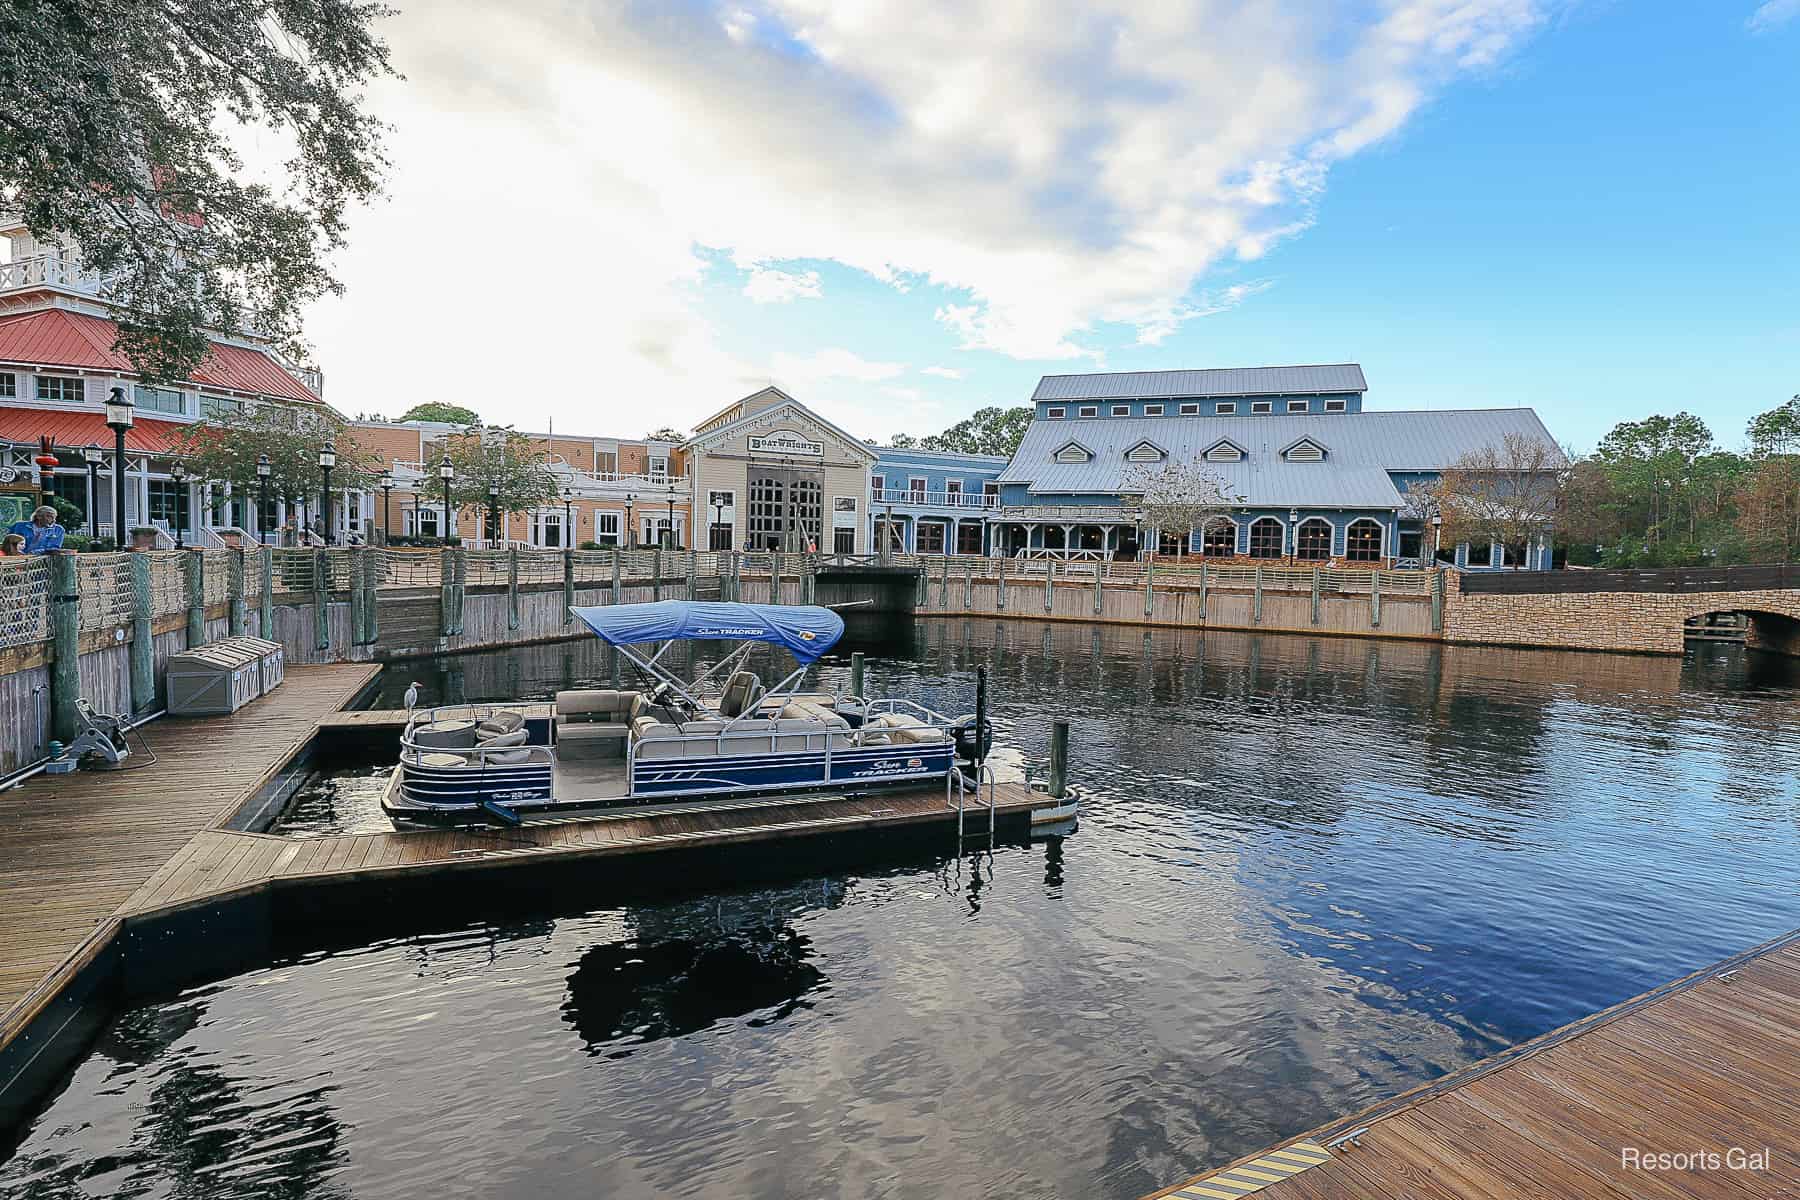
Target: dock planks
<point>1702,1065</point>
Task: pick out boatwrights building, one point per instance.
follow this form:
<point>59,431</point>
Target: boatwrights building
<point>1312,476</point>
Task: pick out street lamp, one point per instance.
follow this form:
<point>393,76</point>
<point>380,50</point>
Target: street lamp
<point>494,516</point>
<point>262,497</point>
<point>630,529</point>
<point>118,419</point>
<point>179,474</point>
<point>719,519</point>
<point>447,473</point>
<point>387,490</point>
<point>674,542</point>
<point>93,456</point>
<point>327,460</point>
<point>1437,537</point>
<point>568,518</point>
<point>1293,532</point>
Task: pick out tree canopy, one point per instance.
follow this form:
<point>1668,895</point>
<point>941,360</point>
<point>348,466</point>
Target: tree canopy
<point>985,431</point>
<point>437,410</point>
<point>1178,497</point>
<point>665,434</point>
<point>116,137</point>
<point>1508,493</point>
<point>224,448</point>
<point>502,458</point>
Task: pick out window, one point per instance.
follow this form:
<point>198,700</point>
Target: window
<point>1266,538</point>
<point>1297,406</point>
<point>718,535</point>
<point>659,468</point>
<point>1481,556</point>
<point>1144,452</point>
<point>1312,542</point>
<point>718,500</point>
<point>1190,410</point>
<point>1226,408</point>
<point>1362,541</point>
<point>1169,545</point>
<point>606,528</point>
<point>9,384</point>
<point>424,521</point>
<point>1262,406</point>
<point>968,537</point>
<point>1121,410</point>
<point>930,538</point>
<point>843,541</point>
<point>843,504</point>
<point>1088,410</point>
<point>915,489</point>
<point>953,487</point>
<point>169,503</point>
<point>59,389</point>
<point>1306,451</point>
<point>162,400</point>
<point>1153,410</point>
<point>220,406</point>
<point>1223,452</point>
<point>606,463</point>
<point>547,528</point>
<point>1412,545</point>
<point>1055,414</point>
<point>876,483</point>
<point>786,509</point>
<point>1336,406</point>
<point>1220,539</point>
<point>990,494</point>
<point>1073,453</point>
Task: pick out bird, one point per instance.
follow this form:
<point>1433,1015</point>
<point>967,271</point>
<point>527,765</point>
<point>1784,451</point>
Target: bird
<point>412,697</point>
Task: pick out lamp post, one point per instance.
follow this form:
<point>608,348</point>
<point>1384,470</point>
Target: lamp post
<point>1293,533</point>
<point>179,474</point>
<point>494,516</point>
<point>630,529</point>
<point>93,456</point>
<point>1437,536</point>
<point>568,537</point>
<point>387,490</point>
<point>46,464</point>
<point>262,497</point>
<point>674,542</point>
<point>327,460</point>
<point>718,520</point>
<point>118,419</point>
<point>447,473</point>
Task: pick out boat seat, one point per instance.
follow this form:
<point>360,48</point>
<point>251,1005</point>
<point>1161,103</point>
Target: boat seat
<point>899,728</point>
<point>500,722</point>
<point>604,705</point>
<point>803,709</point>
<point>516,738</point>
<point>743,692</point>
<point>509,758</point>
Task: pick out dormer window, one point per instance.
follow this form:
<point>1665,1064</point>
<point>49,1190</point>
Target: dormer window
<point>1145,452</point>
<point>1262,406</point>
<point>1153,410</point>
<point>1297,406</point>
<point>60,389</point>
<point>1336,406</point>
<point>1190,410</point>
<point>1121,410</point>
<point>1303,451</point>
<point>1088,410</point>
<point>1074,452</point>
<point>1224,451</point>
<point>1225,408</point>
<point>1054,414</point>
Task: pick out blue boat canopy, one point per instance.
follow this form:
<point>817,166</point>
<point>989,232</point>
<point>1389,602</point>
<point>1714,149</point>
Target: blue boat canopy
<point>807,630</point>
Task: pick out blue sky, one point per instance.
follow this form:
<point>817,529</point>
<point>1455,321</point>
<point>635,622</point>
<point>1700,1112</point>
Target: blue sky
<point>902,213</point>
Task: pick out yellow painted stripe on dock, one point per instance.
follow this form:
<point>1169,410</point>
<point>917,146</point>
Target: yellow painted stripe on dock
<point>1257,1174</point>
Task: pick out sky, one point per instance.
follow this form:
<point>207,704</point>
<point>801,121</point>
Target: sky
<point>616,215</point>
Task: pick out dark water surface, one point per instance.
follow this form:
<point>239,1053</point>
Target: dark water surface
<point>1316,872</point>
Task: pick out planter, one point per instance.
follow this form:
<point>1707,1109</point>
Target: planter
<point>143,539</point>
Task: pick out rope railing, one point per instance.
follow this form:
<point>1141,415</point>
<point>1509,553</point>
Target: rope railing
<point>24,601</point>
<point>103,583</point>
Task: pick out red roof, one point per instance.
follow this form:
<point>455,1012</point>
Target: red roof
<point>73,430</point>
<point>58,338</point>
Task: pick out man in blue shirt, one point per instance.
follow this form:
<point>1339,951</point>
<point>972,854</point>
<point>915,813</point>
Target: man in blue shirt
<point>41,533</point>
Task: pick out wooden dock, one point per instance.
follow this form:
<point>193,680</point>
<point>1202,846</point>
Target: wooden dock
<point>1707,1065</point>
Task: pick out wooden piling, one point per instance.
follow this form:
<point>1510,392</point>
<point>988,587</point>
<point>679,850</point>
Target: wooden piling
<point>143,648</point>
<point>1316,597</point>
<point>944,585</point>
<point>1149,589</point>
<point>372,565</point>
<point>856,673</point>
<point>321,597</point>
<point>1203,592</point>
<point>568,617</point>
<point>193,567</point>
<point>968,586</point>
<point>265,603</point>
<point>234,592</point>
<point>1000,586</point>
<point>1256,616</point>
<point>1374,599</point>
<point>693,571</point>
<point>512,587</point>
<point>1049,583</point>
<point>65,639</point>
<point>1099,589</point>
<point>359,597</point>
<point>617,583</point>
<point>656,573</point>
<point>1437,600</point>
<point>1059,757</point>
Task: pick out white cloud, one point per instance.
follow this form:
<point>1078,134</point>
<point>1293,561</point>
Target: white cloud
<point>1055,166</point>
<point>942,372</point>
<point>1773,14</point>
<point>767,285</point>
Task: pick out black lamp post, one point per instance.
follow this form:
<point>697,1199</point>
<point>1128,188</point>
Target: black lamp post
<point>718,520</point>
<point>494,515</point>
<point>387,489</point>
<point>118,419</point>
<point>93,456</point>
<point>1293,533</point>
<point>327,460</point>
<point>179,475</point>
<point>630,529</point>
<point>262,498</point>
<point>447,473</point>
<point>674,542</point>
<point>568,519</point>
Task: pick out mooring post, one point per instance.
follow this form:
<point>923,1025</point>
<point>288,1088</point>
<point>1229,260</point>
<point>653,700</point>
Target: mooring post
<point>1437,600</point>
<point>265,603</point>
<point>944,585</point>
<point>372,565</point>
<point>1374,599</point>
<point>1099,570</point>
<point>1256,615</point>
<point>359,597</point>
<point>1059,757</point>
<point>1315,596</point>
<point>321,592</point>
<point>775,578</point>
<point>234,592</point>
<point>193,568</point>
<point>1149,590</point>
<point>968,585</point>
<point>568,586</point>
<point>512,587</point>
<point>656,573</point>
<point>1000,587</point>
<point>143,640</point>
<point>618,585</point>
<point>1049,582</point>
<point>693,572</point>
<point>65,639</point>
<point>1202,591</point>
<point>446,588</point>
<point>856,673</point>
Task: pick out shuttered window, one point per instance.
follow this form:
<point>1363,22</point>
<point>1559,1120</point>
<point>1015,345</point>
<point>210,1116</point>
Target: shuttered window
<point>1144,452</point>
<point>1072,454</point>
<point>1224,453</point>
<point>1305,452</point>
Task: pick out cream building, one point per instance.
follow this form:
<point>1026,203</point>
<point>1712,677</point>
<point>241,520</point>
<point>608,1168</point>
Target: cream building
<point>770,474</point>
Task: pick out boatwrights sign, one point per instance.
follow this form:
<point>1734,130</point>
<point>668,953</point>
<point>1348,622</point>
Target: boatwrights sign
<point>786,441</point>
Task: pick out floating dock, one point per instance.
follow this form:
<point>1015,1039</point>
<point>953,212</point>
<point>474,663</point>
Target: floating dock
<point>1706,1069</point>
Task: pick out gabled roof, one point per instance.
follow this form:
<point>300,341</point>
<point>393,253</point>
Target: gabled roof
<point>1057,453</point>
<point>55,337</point>
<point>741,401</point>
<point>1141,443</point>
<point>1224,441</point>
<point>788,405</point>
<point>1306,439</point>
<point>1226,381</point>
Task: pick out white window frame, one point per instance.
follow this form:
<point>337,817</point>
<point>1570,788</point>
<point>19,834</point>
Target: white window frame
<point>1262,406</point>
<point>712,494</point>
<point>1153,410</point>
<point>1190,410</point>
<point>658,474</point>
<point>1088,410</point>
<point>916,488</point>
<point>181,397</point>
<point>609,523</point>
<point>1121,410</point>
<point>1299,406</point>
<point>9,385</point>
<point>1337,406</point>
<point>1225,408</point>
<point>1056,413</point>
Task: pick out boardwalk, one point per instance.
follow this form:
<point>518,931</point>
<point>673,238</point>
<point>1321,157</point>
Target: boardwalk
<point>1701,1066</point>
<point>74,847</point>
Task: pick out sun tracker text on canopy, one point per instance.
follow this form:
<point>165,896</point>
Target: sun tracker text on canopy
<point>805,630</point>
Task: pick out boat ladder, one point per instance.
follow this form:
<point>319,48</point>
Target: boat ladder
<point>958,793</point>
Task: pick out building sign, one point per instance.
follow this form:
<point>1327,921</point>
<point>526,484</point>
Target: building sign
<point>786,441</point>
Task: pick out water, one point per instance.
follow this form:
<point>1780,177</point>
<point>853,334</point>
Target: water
<point>1316,872</point>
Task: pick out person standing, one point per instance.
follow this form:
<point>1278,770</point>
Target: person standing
<point>41,533</point>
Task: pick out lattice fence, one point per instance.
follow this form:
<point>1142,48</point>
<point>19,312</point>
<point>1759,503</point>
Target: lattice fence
<point>103,581</point>
<point>24,601</point>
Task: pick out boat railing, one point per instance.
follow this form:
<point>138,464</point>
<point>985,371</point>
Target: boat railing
<point>411,749</point>
<point>959,785</point>
<point>527,755</point>
<point>929,715</point>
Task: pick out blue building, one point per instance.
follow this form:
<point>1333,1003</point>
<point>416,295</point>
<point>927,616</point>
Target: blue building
<point>935,502</point>
<point>1313,477</point>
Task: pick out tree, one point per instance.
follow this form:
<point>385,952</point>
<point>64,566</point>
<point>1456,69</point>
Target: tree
<point>503,458</point>
<point>1768,510</point>
<point>1776,431</point>
<point>1507,493</point>
<point>116,138</point>
<point>437,410</point>
<point>1177,497</point>
<point>903,441</point>
<point>985,431</point>
<point>225,447</point>
<point>1650,464</point>
<point>666,434</point>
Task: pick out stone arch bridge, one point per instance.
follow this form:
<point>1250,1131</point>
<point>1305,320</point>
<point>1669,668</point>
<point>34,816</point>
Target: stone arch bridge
<point>1643,611</point>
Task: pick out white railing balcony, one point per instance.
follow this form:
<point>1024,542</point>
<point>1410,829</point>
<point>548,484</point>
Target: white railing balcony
<point>899,497</point>
<point>48,270</point>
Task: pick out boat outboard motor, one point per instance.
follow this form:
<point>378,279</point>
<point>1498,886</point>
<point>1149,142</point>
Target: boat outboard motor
<point>974,733</point>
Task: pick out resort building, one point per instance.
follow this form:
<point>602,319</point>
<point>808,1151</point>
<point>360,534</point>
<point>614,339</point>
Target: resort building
<point>768,473</point>
<point>1311,475</point>
<point>933,501</point>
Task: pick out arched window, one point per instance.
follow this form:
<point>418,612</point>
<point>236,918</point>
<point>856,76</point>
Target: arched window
<point>1362,541</point>
<point>1266,538</point>
<point>1312,543</point>
<point>1220,539</point>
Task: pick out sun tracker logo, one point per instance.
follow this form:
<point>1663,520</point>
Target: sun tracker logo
<point>731,631</point>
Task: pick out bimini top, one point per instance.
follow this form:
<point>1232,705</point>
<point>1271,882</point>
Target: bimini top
<point>805,629</point>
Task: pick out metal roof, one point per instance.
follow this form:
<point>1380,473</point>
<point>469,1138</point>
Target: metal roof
<point>73,430</point>
<point>1361,449</point>
<point>1220,381</point>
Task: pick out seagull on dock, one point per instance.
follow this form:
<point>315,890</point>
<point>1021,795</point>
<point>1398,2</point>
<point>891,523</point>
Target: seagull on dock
<point>412,697</point>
